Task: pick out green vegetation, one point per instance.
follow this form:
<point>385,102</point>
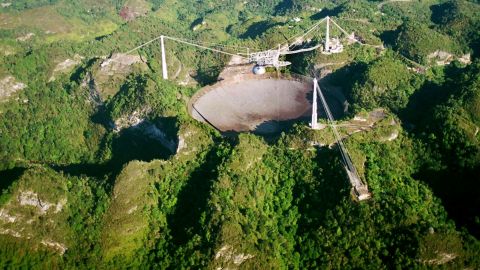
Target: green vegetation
<point>385,83</point>
<point>27,4</point>
<point>52,126</point>
<point>101,165</point>
<point>417,41</point>
<point>55,211</point>
<point>459,19</point>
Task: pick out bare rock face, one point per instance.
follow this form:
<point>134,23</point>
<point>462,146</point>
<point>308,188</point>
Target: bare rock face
<point>4,216</point>
<point>152,131</point>
<point>30,198</point>
<point>131,120</point>
<point>66,66</point>
<point>119,62</point>
<point>93,93</point>
<point>25,213</point>
<point>182,145</point>
<point>228,257</point>
<point>8,86</point>
<point>393,136</point>
<point>61,248</point>
<point>26,37</point>
<point>443,58</point>
<point>465,59</point>
<point>442,258</point>
<point>113,71</point>
<point>138,120</point>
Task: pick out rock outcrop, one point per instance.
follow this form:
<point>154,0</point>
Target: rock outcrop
<point>9,86</point>
<point>66,66</point>
<point>36,212</point>
<point>113,71</point>
<point>228,255</point>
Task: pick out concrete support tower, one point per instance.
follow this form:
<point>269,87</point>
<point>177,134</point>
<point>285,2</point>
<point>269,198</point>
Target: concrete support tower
<point>164,60</point>
<point>327,37</point>
<point>314,122</point>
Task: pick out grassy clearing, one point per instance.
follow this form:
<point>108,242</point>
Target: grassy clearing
<point>166,11</point>
<point>42,18</point>
<point>85,31</point>
<point>49,25</point>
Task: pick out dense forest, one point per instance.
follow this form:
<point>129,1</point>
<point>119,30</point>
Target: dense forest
<point>102,166</point>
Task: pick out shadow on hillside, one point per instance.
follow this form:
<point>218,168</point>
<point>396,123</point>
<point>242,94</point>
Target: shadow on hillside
<point>441,12</point>
<point>329,189</point>
<point>7,177</point>
<point>337,89</point>
<point>78,73</point>
<point>185,221</point>
<point>457,187</point>
<point>257,29</point>
<point>269,128</point>
<point>130,144</point>
<point>196,22</point>
<point>459,192</point>
<point>327,12</point>
<point>429,95</point>
<point>207,76</point>
<point>389,37</point>
<point>347,76</point>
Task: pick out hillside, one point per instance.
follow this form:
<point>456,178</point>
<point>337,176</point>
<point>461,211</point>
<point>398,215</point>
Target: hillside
<point>103,166</point>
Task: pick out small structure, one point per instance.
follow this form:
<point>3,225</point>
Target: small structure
<point>331,45</point>
<point>259,70</point>
<point>267,58</point>
<point>335,46</point>
<point>359,189</point>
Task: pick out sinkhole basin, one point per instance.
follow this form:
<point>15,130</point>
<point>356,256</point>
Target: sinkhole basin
<point>253,103</point>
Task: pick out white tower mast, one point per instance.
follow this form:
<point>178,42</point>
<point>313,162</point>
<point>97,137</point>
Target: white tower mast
<point>314,122</point>
<point>164,60</point>
<point>327,36</point>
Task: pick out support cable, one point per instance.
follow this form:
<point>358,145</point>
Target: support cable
<point>301,36</point>
<point>308,31</point>
<point>338,26</point>
<point>203,47</point>
<point>184,42</point>
<point>143,45</point>
<point>343,150</point>
<point>213,44</point>
<point>302,50</point>
<point>356,40</point>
